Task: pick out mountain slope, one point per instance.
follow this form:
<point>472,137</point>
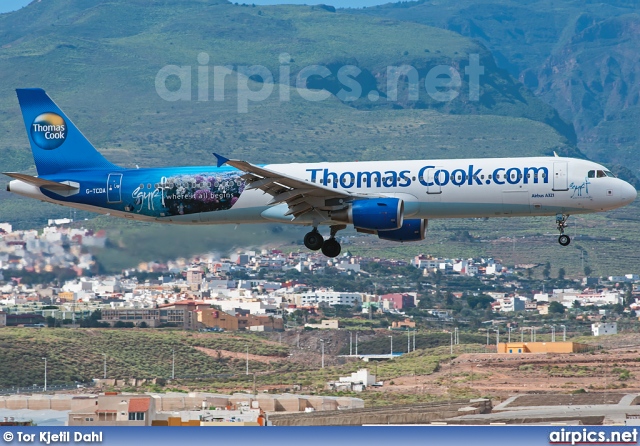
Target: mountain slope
<point>579,57</point>
<point>100,62</point>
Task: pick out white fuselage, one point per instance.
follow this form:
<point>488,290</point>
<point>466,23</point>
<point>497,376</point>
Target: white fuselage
<point>454,188</point>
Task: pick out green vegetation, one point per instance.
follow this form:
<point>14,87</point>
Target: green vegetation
<point>77,355</point>
<point>578,57</point>
<point>111,52</point>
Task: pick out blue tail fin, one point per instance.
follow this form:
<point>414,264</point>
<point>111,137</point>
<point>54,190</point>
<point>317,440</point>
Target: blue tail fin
<point>56,142</point>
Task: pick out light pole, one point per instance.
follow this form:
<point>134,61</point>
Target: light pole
<point>522,334</point>
<point>509,334</point>
<point>391,354</point>
<point>487,337</point>
<point>173,364</point>
<point>105,365</point>
<point>45,374</point>
<point>553,333</point>
<point>350,344</point>
<point>564,333</point>
<point>247,360</point>
<point>322,347</point>
<point>408,341</point>
<point>497,339</point>
<point>414,340</point>
<point>356,343</point>
<point>534,334</point>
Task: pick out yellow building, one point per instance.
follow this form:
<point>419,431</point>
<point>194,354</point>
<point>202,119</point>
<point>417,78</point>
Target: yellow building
<point>67,296</point>
<point>544,347</point>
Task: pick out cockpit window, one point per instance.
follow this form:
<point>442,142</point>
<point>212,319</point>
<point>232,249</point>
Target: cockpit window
<point>600,174</point>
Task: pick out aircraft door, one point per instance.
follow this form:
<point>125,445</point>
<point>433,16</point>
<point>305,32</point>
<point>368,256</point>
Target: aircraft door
<point>560,176</point>
<point>114,188</point>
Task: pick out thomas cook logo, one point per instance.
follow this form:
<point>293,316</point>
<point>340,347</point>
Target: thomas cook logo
<point>49,131</point>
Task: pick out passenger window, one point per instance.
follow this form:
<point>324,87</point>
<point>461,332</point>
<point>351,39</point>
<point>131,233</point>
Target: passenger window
<point>591,174</point>
<point>148,185</point>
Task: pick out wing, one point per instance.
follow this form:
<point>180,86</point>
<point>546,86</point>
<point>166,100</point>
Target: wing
<point>301,196</point>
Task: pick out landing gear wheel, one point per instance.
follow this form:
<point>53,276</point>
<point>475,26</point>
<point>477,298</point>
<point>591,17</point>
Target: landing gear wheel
<point>331,248</point>
<point>313,240</point>
<point>564,240</point>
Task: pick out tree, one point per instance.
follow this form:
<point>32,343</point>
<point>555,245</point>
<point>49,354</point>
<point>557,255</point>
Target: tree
<point>556,308</point>
<point>546,272</point>
<point>587,270</point>
<point>449,299</point>
<point>479,302</point>
<point>561,274</point>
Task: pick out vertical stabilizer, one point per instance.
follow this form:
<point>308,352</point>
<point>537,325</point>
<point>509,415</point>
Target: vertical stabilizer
<point>56,143</point>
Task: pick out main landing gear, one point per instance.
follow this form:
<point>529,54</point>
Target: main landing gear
<point>330,247</point>
<point>561,221</point>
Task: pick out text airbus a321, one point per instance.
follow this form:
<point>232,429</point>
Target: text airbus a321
<point>391,199</point>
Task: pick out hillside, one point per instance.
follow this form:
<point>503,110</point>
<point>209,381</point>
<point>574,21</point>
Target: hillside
<point>99,61</point>
<point>579,57</point>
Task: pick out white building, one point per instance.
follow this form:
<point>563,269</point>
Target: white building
<point>362,376</point>
<point>603,328</point>
<point>330,298</point>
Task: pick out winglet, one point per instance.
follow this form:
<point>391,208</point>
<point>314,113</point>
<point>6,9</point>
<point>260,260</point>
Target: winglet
<point>555,154</point>
<point>221,159</point>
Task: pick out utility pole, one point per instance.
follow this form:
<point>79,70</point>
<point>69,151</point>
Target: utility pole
<point>414,340</point>
<point>45,374</point>
<point>497,339</point>
<point>509,334</point>
<point>408,341</point>
<point>105,365</point>
<point>553,333</point>
<point>173,364</point>
<point>564,333</point>
<point>322,346</point>
<point>391,354</point>
<point>247,360</point>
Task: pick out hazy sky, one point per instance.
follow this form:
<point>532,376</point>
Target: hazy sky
<point>12,5</point>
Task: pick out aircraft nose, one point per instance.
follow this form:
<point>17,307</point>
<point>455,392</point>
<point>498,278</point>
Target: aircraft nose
<point>628,193</point>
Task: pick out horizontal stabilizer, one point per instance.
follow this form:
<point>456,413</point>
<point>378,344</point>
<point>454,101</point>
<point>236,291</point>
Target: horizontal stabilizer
<point>65,188</point>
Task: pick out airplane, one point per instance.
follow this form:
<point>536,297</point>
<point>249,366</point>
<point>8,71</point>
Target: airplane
<point>391,199</point>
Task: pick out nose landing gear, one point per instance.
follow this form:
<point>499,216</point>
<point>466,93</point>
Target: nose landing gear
<point>561,222</point>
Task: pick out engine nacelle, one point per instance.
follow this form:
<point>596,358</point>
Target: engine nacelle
<point>373,214</point>
<point>412,230</point>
